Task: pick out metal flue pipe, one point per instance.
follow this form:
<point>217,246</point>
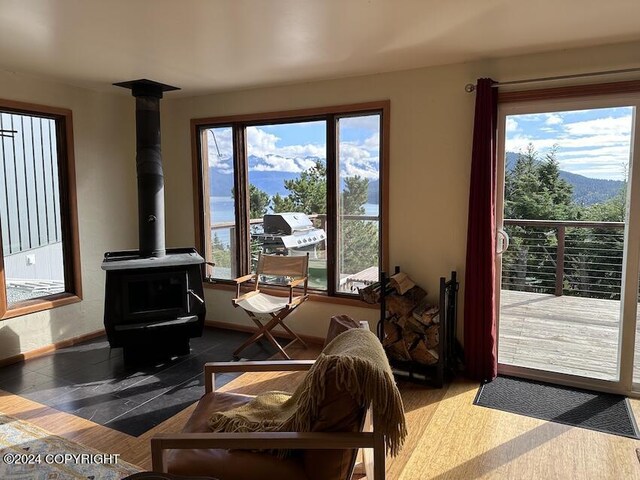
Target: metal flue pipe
<point>151,230</point>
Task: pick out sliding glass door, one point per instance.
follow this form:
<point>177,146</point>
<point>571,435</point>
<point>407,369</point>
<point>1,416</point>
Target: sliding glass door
<point>568,241</point>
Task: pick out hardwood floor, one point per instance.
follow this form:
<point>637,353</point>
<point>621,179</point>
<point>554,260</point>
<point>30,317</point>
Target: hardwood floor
<point>449,437</point>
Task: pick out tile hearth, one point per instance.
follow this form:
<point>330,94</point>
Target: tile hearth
<point>92,382</point>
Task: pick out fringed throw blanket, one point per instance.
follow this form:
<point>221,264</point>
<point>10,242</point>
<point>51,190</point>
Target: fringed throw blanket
<point>361,370</point>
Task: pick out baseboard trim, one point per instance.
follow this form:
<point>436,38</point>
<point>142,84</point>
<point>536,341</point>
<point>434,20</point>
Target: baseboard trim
<point>38,352</point>
<point>249,329</point>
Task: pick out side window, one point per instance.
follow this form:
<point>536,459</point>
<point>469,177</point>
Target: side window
<point>38,227</point>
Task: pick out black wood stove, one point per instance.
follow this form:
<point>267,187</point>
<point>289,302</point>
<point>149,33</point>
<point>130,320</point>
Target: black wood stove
<point>154,300</point>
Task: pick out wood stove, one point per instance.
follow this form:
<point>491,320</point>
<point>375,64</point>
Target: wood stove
<point>153,305</point>
<point>154,299</point>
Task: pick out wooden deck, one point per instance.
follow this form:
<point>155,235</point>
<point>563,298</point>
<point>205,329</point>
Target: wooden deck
<point>573,335</point>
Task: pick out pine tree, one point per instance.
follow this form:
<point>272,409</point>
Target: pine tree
<point>307,193</point>
<point>535,191</point>
<point>259,202</point>
<point>359,238</point>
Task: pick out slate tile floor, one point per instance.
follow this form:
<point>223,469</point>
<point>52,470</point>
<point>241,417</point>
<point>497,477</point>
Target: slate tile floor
<point>92,382</point>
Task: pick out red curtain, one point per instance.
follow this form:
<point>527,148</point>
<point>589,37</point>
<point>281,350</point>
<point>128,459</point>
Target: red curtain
<point>480,349</point>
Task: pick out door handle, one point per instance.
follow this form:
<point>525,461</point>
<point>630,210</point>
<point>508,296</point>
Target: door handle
<point>502,240</point>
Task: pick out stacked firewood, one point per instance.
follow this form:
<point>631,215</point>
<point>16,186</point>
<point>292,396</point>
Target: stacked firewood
<point>411,322</point>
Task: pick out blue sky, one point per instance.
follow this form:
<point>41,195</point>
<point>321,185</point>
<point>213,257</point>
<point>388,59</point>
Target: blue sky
<point>292,147</point>
<point>594,143</point>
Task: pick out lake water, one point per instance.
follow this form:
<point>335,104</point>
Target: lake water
<point>222,211</point>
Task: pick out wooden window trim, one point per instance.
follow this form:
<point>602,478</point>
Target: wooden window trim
<point>329,114</point>
<point>68,214</point>
<point>571,91</point>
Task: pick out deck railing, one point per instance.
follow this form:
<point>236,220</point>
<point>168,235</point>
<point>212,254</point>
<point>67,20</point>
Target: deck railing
<point>564,257</point>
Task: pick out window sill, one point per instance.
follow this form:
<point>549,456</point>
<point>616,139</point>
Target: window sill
<point>40,304</point>
<point>284,292</point>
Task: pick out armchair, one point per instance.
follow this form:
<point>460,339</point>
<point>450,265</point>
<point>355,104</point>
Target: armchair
<point>326,452</point>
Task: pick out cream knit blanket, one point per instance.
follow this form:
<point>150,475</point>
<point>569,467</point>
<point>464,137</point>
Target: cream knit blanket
<point>361,369</point>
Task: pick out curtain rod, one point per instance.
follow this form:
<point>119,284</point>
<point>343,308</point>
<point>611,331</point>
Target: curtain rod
<point>470,87</point>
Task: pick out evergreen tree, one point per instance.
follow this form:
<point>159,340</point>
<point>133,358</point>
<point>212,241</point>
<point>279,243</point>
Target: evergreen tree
<point>602,259</point>
<point>259,202</point>
<point>307,193</point>
<point>612,210</point>
<point>220,252</point>
<point>593,256</point>
<point>359,238</point>
<point>558,190</point>
<point>535,191</point>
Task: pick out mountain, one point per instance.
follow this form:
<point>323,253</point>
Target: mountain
<point>586,190</point>
<point>221,183</point>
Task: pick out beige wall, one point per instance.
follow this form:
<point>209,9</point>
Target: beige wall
<point>431,131</point>
<point>431,126</point>
<point>104,147</point>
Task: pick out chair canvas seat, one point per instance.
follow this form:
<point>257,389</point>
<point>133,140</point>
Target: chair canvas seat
<point>260,306</point>
<point>263,303</point>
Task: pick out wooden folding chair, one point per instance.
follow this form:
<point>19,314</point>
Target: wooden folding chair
<point>254,302</point>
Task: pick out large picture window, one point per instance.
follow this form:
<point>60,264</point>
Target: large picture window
<point>37,209</point>
<point>295,183</point>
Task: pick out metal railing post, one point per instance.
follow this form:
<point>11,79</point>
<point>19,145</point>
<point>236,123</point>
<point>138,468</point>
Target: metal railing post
<point>560,261</point>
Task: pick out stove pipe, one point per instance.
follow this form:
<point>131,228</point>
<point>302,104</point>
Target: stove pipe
<point>149,165</point>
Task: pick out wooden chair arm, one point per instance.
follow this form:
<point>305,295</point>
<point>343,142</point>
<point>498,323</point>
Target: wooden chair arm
<point>239,281</point>
<point>294,302</point>
<point>255,441</point>
<point>295,283</point>
<point>239,297</point>
<point>211,368</point>
<point>245,278</point>
<point>258,366</point>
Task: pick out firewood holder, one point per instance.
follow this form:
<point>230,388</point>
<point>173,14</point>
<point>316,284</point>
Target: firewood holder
<point>448,348</point>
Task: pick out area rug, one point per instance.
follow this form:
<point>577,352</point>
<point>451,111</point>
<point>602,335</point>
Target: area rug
<point>28,452</point>
<point>602,412</point>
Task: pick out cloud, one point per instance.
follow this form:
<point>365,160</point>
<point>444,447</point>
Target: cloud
<point>260,142</point>
<point>372,142</point>
<point>365,122</point>
<point>355,158</point>
<point>618,126</point>
<point>220,149</point>
<point>602,156</point>
<point>553,119</point>
<point>276,163</point>
<point>302,151</point>
<point>512,125</point>
<point>598,171</point>
<point>360,157</point>
<point>287,158</point>
<point>592,142</point>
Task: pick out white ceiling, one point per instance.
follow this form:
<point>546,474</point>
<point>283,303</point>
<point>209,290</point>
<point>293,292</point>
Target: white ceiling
<point>205,46</point>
